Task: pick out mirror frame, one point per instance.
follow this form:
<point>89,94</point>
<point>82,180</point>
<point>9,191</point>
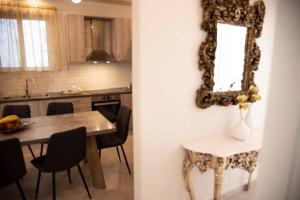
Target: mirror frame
<point>237,12</point>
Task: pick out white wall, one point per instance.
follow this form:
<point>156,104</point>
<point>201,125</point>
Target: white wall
<point>279,177</point>
<point>165,79</point>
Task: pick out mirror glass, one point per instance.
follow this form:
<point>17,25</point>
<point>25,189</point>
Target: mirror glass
<point>230,55</point>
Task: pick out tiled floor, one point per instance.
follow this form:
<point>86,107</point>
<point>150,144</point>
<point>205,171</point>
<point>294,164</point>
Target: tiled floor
<point>242,195</point>
<point>118,181</point>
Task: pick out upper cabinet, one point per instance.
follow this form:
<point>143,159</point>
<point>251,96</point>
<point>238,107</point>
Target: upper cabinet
<point>95,39</point>
<point>75,32</point>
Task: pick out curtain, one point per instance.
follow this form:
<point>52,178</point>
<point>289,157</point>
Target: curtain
<point>121,39</point>
<point>29,39</point>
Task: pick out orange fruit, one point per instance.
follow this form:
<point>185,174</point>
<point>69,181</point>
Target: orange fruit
<point>9,125</point>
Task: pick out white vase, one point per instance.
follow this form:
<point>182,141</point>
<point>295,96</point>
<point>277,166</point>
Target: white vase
<point>249,118</point>
<point>241,130</point>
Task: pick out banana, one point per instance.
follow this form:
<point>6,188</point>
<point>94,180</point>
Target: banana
<point>8,119</point>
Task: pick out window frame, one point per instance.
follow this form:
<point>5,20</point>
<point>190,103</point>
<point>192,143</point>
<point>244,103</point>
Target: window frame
<point>21,43</point>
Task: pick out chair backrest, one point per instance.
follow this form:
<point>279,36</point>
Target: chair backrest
<point>23,111</point>
<point>12,165</point>
<point>123,122</point>
<point>65,150</point>
<point>60,108</point>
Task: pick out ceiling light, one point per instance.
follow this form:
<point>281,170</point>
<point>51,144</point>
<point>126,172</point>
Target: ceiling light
<point>76,1</point>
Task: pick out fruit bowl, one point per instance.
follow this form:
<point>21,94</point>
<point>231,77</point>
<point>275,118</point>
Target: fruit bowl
<point>13,124</point>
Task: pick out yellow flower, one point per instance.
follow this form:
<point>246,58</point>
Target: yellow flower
<point>242,98</point>
<point>256,97</point>
<point>253,89</point>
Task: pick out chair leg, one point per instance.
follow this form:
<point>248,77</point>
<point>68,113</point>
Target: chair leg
<point>29,147</point>
<point>38,185</point>
<point>125,160</point>
<point>21,190</point>
<point>118,153</point>
<point>99,153</point>
<point>42,147</point>
<point>53,186</point>
<point>82,177</point>
<point>69,175</point>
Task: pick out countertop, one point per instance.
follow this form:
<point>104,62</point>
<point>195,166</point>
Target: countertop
<point>64,95</point>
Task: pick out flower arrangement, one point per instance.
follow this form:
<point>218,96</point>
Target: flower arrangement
<point>251,96</point>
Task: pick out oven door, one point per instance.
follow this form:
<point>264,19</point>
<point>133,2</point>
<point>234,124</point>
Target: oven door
<point>108,109</point>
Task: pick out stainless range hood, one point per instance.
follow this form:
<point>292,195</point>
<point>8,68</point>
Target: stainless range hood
<point>101,57</point>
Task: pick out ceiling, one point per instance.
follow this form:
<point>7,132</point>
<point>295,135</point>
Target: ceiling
<point>120,2</point>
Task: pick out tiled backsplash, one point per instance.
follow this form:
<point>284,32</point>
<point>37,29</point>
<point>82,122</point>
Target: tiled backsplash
<point>85,76</point>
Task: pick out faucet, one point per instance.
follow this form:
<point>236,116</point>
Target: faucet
<point>27,87</point>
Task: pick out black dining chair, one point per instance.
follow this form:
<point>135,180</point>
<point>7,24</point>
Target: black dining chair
<point>60,108</point>
<point>22,111</point>
<point>118,138</point>
<point>65,150</point>
<point>12,165</point>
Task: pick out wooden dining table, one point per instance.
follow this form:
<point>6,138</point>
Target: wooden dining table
<point>45,126</point>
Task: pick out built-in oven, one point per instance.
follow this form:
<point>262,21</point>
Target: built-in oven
<point>107,105</point>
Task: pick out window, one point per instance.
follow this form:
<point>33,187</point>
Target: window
<point>35,42</point>
<point>34,37</point>
<point>29,38</point>
<point>9,43</point>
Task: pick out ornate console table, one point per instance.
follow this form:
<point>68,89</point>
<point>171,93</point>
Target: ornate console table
<point>220,152</point>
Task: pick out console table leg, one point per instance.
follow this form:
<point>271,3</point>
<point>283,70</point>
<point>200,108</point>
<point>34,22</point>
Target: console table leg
<point>189,186</point>
<point>187,168</point>
<point>219,172</point>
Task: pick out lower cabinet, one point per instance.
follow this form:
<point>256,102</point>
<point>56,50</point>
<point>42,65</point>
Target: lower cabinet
<point>39,108</point>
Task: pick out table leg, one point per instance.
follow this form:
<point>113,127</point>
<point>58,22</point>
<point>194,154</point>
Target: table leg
<point>94,163</point>
<point>219,172</point>
<point>249,181</point>
<point>187,168</point>
<point>189,188</point>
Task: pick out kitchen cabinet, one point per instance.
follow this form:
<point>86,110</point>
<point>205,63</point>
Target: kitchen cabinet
<point>126,100</point>
<point>39,108</point>
<point>75,32</point>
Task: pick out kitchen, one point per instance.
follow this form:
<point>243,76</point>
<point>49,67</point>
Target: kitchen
<point>91,68</point>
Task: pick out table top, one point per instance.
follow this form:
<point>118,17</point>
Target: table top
<point>46,126</point>
<point>225,145</point>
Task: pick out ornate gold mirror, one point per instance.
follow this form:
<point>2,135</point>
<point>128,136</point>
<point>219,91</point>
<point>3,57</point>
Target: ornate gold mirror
<point>229,55</point>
